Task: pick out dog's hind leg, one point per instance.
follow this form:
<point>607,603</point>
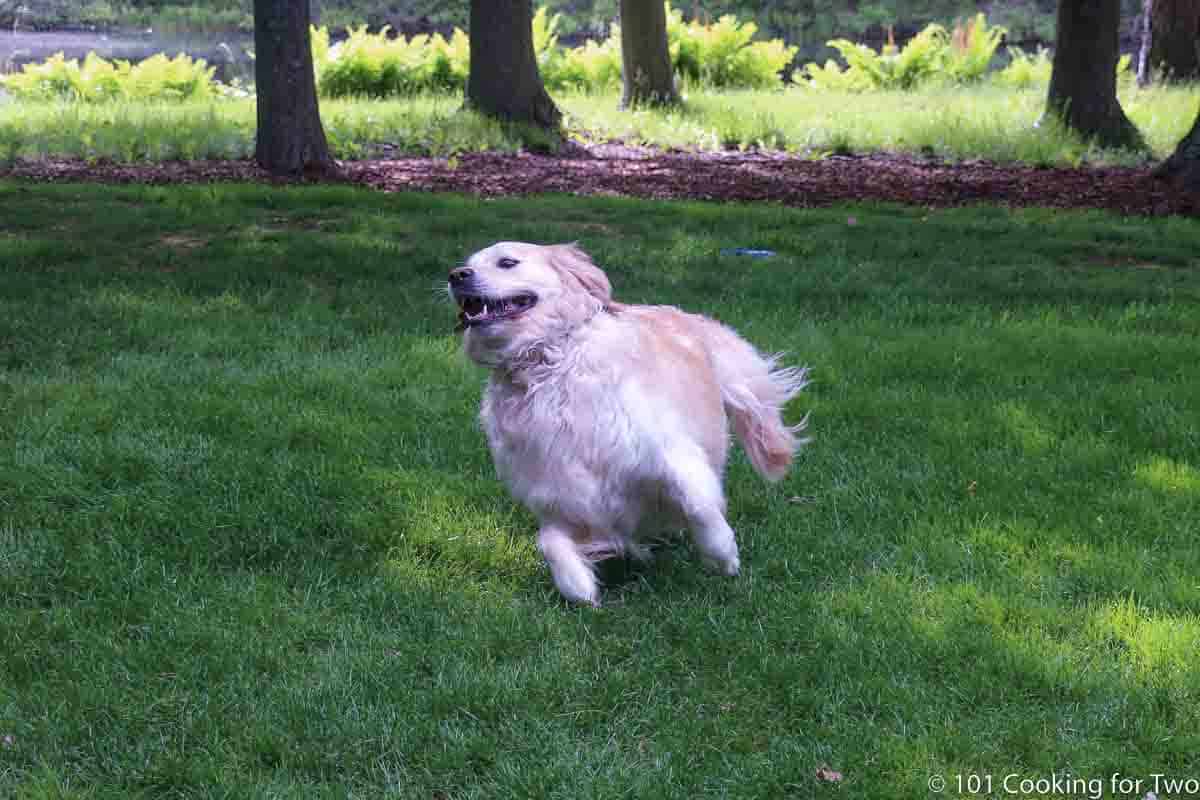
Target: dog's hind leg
<point>573,574</point>
<point>696,488</point>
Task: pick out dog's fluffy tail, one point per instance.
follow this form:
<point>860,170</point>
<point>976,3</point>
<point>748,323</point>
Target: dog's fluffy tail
<point>755,389</point>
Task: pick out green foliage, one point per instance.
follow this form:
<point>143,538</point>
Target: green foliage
<point>720,55</point>
<point>1024,71</point>
<point>99,80</point>
<point>830,77</point>
<point>1027,71</point>
<point>932,56</point>
<point>1125,74</point>
<point>807,23</point>
<point>920,60</point>
<point>723,55</point>
<point>204,17</point>
<point>592,67</point>
<point>451,60</point>
<point>972,46</point>
<point>169,15</point>
<point>377,65</point>
<point>893,68</point>
<point>545,34</point>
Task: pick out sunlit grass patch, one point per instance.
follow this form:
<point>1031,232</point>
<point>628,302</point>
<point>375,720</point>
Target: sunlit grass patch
<point>1169,476</point>
<point>1032,434</point>
<point>1160,649</point>
<point>951,122</point>
<point>954,123</point>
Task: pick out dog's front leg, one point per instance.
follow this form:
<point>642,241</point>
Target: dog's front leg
<point>573,574</point>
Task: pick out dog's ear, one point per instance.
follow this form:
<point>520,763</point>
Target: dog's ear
<point>579,265</point>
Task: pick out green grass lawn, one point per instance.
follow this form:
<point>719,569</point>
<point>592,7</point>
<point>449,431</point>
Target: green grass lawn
<point>953,123</point>
<point>251,544</point>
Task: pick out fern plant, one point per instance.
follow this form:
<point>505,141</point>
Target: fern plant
<point>724,54</point>
<point>932,55</point>
<point>545,34</point>
<point>830,77</point>
<point>972,47</point>
<point>594,66</point>
<point>921,60</point>
<point>98,80</point>
<point>451,61</point>
<point>378,65</point>
<point>1024,70</point>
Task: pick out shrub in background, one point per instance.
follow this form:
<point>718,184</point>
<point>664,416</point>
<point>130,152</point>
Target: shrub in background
<point>377,65</point>
<point>723,55</point>
<point>1024,71</point>
<point>831,77</point>
<point>972,47</point>
<point>933,55</point>
<point>720,55</point>
<point>99,80</point>
<point>893,68</point>
<point>592,67</point>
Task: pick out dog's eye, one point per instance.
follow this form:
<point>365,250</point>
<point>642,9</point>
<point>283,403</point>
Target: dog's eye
<point>507,263</point>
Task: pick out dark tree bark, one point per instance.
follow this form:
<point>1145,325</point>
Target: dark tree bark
<point>1175,39</point>
<point>1184,164</point>
<point>646,69</point>
<point>290,139</point>
<point>1083,79</point>
<point>503,80</point>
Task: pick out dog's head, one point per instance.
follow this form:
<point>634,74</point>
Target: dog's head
<point>513,297</point>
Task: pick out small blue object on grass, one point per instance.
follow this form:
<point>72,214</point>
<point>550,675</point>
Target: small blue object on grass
<point>747,251</point>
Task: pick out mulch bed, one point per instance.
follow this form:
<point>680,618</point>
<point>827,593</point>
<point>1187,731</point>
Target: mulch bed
<point>606,169</point>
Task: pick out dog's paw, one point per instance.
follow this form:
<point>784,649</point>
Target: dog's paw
<point>729,567</point>
<point>577,584</point>
<point>592,599</point>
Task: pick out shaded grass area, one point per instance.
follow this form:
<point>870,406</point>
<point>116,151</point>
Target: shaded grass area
<point>251,544</point>
<point>987,122</point>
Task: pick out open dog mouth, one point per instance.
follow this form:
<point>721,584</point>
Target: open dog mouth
<point>477,310</point>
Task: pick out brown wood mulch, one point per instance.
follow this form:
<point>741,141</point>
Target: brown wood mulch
<point>619,170</point>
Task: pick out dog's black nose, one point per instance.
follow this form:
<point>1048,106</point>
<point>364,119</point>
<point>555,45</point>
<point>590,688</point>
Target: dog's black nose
<point>461,274</point>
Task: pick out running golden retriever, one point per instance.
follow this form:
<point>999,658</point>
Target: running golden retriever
<point>603,417</point>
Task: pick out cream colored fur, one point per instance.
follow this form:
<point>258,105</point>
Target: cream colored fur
<point>602,417</point>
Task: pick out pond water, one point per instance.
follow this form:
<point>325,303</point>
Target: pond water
<point>228,53</point>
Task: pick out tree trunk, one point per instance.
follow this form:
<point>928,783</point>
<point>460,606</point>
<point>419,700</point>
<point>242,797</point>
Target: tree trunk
<point>290,139</point>
<point>503,80</point>
<point>1083,79</point>
<point>1144,41</point>
<point>646,67</point>
<point>1175,39</point>
<point>1184,164</point>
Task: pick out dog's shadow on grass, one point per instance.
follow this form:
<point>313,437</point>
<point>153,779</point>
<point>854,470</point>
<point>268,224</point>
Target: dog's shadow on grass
<point>623,577</point>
